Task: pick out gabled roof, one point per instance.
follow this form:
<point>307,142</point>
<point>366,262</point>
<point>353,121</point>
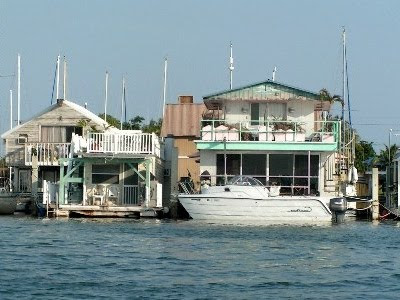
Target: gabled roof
<point>182,119</point>
<point>265,90</point>
<point>88,114</point>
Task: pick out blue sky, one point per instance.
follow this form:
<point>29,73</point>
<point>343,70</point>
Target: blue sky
<point>131,38</point>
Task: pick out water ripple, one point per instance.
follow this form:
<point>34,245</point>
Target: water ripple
<point>149,259</point>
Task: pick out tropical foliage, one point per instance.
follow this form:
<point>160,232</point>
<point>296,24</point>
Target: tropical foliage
<point>136,123</point>
<point>387,154</point>
<point>364,152</point>
<point>324,95</point>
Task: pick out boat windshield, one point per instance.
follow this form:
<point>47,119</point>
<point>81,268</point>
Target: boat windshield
<point>244,180</point>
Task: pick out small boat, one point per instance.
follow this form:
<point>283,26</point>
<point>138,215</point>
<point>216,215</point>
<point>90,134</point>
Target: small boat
<point>245,199</point>
<point>8,203</point>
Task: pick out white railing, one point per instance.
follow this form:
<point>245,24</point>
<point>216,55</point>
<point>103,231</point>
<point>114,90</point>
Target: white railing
<point>129,143</point>
<point>48,153</point>
<point>270,131</point>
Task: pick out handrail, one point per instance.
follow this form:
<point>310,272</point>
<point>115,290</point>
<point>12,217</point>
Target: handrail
<point>129,143</point>
<point>277,130</point>
<point>48,153</point>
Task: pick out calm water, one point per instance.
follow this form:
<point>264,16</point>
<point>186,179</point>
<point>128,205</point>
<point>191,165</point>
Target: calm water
<point>136,259</point>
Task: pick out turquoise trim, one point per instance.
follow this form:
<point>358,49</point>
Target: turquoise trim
<point>265,146</point>
<point>277,85</point>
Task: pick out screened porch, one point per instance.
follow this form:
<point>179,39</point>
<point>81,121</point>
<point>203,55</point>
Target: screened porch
<point>295,174</point>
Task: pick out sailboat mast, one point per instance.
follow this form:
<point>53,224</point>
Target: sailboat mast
<point>58,78</point>
<point>65,79</point>
<point>165,85</point>
<point>11,126</point>
<point>344,140</point>
<point>106,98</point>
<point>11,109</point>
<point>19,91</point>
<point>122,101</point>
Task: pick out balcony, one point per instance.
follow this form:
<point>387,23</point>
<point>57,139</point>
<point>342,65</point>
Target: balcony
<point>269,135</point>
<point>123,142</point>
<point>48,153</point>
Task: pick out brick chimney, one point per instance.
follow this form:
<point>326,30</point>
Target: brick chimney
<point>185,99</point>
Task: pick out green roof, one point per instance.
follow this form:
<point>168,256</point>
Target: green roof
<point>262,91</point>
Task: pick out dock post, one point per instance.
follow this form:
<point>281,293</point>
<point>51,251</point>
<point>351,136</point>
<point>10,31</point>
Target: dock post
<point>375,198</point>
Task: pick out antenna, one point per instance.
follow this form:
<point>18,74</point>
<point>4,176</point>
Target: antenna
<point>65,79</point>
<point>165,85</point>
<point>19,90</point>
<point>58,77</point>
<point>106,98</point>
<point>273,74</point>
<point>231,68</point>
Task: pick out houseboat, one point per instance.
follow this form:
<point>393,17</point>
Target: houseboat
<point>280,135</point>
<point>71,159</point>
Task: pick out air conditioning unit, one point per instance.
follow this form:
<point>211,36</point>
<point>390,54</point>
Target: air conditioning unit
<point>167,172</point>
<point>22,139</point>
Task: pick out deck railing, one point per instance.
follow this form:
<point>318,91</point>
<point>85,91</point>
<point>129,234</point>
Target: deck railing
<point>128,143</point>
<point>48,153</point>
<point>270,131</point>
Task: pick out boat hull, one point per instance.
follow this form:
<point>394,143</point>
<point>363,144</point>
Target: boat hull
<point>8,204</point>
<point>270,210</point>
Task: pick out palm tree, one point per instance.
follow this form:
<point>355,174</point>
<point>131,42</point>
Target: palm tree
<point>387,153</point>
<point>324,95</point>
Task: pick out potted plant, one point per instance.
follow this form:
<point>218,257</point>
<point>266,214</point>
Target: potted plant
<point>300,133</point>
<point>279,128</point>
<point>328,134</point>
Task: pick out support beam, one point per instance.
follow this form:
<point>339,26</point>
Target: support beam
<point>61,188</point>
<point>136,170</point>
<point>147,200</point>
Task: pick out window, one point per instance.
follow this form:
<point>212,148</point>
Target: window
<point>255,113</point>
<point>254,165</point>
<point>58,134</point>
<point>232,166</point>
<point>291,173</point>
<point>281,164</point>
<point>105,174</point>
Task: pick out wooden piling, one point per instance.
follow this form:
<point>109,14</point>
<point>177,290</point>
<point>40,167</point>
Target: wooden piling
<point>375,198</point>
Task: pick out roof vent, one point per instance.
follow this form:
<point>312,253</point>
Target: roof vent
<point>185,99</point>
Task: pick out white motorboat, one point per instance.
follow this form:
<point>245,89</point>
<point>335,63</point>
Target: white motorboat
<point>245,199</point>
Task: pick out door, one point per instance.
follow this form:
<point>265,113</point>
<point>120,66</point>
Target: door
<point>131,186</point>
<point>24,181</point>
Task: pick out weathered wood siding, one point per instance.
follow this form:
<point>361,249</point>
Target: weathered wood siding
<point>61,115</point>
<point>187,147</point>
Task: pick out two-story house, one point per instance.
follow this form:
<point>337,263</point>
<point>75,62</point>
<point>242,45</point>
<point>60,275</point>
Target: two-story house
<point>98,170</point>
<point>277,133</point>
